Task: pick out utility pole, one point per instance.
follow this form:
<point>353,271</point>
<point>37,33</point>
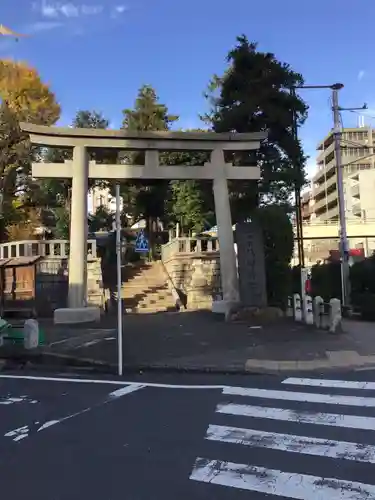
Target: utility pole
<point>344,244</point>
<point>344,247</point>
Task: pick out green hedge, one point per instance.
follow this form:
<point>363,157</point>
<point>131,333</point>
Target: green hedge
<point>278,242</point>
<point>326,282</point>
<point>362,279</point>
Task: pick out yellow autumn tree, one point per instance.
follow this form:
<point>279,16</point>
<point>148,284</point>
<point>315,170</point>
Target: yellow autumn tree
<point>24,97</point>
<point>30,99</point>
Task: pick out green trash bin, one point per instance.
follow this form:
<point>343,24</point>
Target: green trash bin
<point>16,335</point>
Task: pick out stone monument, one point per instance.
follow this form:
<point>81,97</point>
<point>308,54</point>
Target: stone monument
<point>251,264</point>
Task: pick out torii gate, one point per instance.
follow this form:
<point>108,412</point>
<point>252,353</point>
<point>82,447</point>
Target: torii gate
<point>80,169</point>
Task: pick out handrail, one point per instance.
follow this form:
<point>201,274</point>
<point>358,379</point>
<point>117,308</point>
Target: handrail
<point>43,248</point>
<point>189,246</point>
<point>175,293</point>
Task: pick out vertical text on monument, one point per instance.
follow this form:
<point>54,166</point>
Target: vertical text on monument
<point>251,264</point>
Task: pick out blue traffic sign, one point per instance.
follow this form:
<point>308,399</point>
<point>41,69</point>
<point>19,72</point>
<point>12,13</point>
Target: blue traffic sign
<point>141,243</point>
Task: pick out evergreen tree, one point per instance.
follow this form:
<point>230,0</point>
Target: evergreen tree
<point>253,95</point>
<point>147,197</point>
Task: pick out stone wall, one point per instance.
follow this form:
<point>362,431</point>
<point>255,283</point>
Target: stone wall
<point>96,294</point>
<point>52,284</point>
<point>197,276</point>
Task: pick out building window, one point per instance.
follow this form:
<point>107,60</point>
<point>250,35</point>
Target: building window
<point>356,136</point>
<point>353,151</point>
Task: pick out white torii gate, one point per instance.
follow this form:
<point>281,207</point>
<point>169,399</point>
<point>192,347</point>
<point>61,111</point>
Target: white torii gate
<point>80,169</point>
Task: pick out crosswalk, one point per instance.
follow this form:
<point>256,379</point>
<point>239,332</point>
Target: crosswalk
<point>310,439</point>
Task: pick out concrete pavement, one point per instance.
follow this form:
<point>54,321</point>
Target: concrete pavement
<point>207,437</point>
<point>197,342</point>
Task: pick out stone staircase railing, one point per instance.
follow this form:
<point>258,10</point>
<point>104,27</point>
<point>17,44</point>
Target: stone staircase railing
<point>188,246</point>
<point>42,248</point>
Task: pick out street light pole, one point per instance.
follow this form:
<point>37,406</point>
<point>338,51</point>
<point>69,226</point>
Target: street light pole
<point>297,190</point>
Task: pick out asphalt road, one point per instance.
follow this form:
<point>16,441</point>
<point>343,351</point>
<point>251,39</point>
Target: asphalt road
<point>254,435</point>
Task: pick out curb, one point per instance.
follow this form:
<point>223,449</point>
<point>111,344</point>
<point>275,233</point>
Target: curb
<point>50,362</point>
<point>319,370</point>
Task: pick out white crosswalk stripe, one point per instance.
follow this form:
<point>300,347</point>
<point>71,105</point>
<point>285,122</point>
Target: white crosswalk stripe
<point>303,434</point>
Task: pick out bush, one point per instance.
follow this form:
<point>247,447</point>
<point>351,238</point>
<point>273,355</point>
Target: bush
<point>362,279</point>
<point>295,280</point>
<point>326,280</point>
<point>362,276</point>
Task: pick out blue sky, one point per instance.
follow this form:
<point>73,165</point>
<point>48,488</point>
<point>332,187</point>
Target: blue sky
<point>96,54</point>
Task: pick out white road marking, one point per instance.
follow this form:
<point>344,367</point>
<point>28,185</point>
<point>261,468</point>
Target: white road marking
<point>79,337</point>
<point>25,431</point>
<point>296,444</point>
<point>278,483</point>
<point>336,384</point>
<point>89,343</point>
<point>302,417</point>
<point>110,382</point>
<point>115,394</point>
<point>300,396</point>
<point>20,399</point>
<point>19,433</point>
<point>47,424</point>
<point>126,390</point>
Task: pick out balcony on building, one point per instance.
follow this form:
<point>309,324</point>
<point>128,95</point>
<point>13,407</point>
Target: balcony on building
<point>355,190</point>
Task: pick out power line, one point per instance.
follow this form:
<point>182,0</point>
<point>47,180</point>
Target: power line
<point>361,114</point>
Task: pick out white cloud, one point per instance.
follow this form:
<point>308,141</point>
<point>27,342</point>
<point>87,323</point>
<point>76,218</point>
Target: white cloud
<point>92,10</point>
<point>118,10</point>
<point>69,10</point>
<point>361,75</point>
<point>49,11</point>
<point>43,26</point>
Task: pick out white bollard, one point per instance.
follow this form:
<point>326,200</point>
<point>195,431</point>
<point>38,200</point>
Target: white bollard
<point>31,334</point>
<point>289,309</point>
<point>297,307</point>
<point>318,311</point>
<point>308,310</point>
<point>334,315</point>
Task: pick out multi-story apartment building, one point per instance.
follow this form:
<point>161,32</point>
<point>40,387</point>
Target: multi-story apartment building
<point>98,197</point>
<point>359,195</point>
<point>357,148</point>
<point>306,206</point>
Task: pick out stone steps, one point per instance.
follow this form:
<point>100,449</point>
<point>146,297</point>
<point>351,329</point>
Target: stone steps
<point>146,291</point>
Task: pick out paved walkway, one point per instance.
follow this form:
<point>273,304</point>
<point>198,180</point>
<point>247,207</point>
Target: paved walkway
<point>198,341</point>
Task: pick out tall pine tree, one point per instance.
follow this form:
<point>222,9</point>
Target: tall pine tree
<point>254,95</point>
<point>149,195</point>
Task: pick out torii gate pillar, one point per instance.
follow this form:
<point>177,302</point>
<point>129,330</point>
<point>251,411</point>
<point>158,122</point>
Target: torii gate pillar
<point>228,258</point>
<point>77,296</point>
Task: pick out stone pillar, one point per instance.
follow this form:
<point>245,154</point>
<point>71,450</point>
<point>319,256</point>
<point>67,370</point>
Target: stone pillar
<point>78,230</point>
<point>228,258</point>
